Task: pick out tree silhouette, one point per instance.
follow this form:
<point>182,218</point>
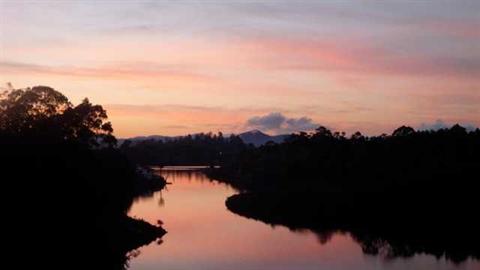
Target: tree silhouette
<point>86,123</point>
<point>322,132</point>
<point>403,131</point>
<point>59,158</point>
<point>403,191</point>
<point>197,149</point>
<point>24,110</point>
<point>43,111</point>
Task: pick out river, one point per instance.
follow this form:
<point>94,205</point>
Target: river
<point>203,234</point>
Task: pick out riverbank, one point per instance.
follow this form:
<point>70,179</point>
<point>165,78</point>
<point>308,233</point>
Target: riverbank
<point>391,225</point>
<point>246,244</point>
<point>127,234</point>
<point>147,182</point>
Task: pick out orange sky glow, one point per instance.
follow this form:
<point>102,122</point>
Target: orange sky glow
<point>176,68</point>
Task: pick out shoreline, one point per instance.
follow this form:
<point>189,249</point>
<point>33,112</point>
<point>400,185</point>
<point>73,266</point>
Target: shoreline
<point>398,233</point>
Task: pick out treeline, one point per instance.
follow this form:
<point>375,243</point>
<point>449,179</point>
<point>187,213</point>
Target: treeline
<point>406,193</point>
<point>66,187</point>
<point>199,149</point>
<point>409,160</point>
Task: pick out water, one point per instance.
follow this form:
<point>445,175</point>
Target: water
<point>203,234</point>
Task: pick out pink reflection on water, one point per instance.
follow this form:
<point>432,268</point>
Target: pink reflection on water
<point>203,234</point>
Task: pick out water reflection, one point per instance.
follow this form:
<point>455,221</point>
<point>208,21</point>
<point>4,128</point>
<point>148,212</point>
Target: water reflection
<point>395,236</point>
<point>175,174</point>
<point>203,234</point>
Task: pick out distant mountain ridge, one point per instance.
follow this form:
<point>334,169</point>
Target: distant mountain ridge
<point>255,137</point>
<point>258,138</point>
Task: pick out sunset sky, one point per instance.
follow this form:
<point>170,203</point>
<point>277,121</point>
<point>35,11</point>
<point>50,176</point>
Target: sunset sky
<point>178,67</point>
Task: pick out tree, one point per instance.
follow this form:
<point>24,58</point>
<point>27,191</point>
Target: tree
<point>87,123</point>
<point>43,111</point>
<point>403,131</point>
<point>23,110</point>
<point>458,130</point>
<point>357,136</point>
<point>322,131</point>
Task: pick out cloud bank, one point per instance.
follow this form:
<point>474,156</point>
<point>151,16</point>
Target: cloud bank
<point>278,123</point>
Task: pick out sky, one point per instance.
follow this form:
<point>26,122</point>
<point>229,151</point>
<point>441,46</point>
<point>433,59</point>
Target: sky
<point>178,67</point>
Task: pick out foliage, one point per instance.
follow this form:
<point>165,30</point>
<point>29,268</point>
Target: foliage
<point>70,187</point>
<point>43,112</point>
<point>199,149</point>
<point>407,160</point>
<point>406,193</point>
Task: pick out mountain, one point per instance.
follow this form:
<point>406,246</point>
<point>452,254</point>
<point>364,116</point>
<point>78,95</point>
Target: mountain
<point>257,138</point>
<point>146,138</point>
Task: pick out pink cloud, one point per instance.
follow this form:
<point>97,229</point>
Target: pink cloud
<point>117,72</point>
<point>355,57</point>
